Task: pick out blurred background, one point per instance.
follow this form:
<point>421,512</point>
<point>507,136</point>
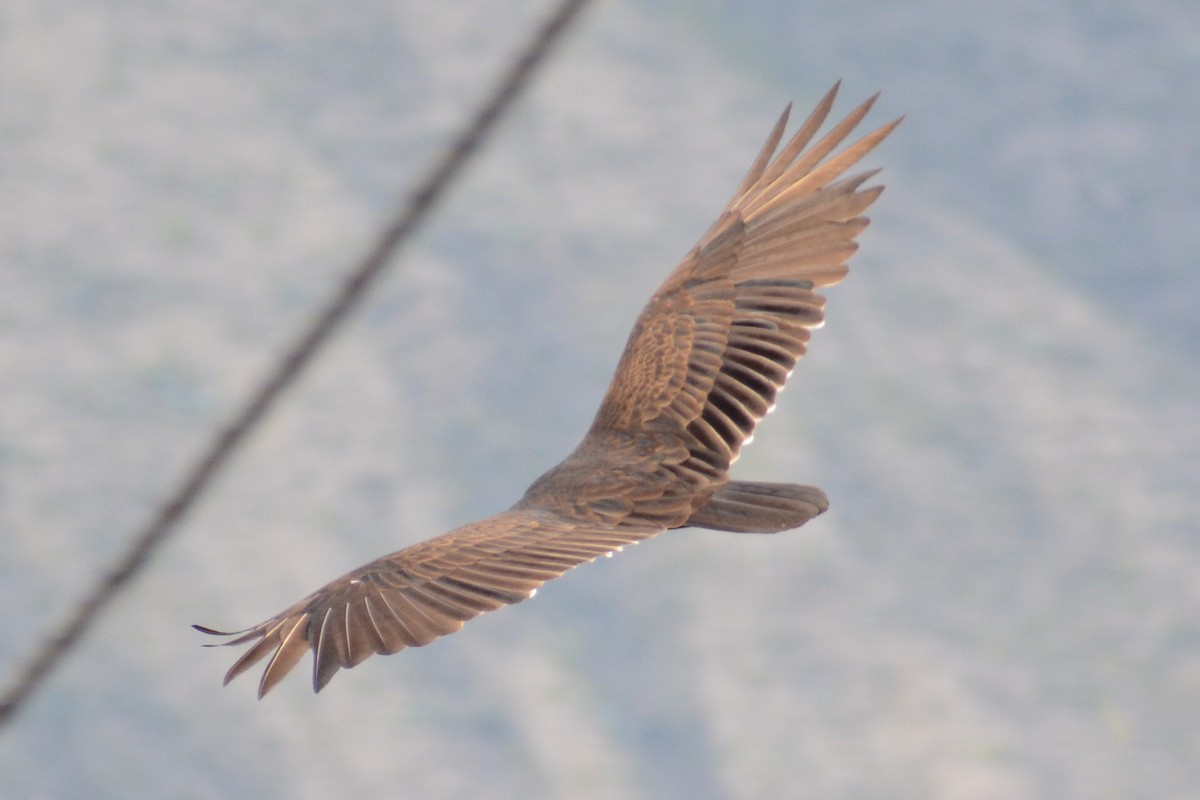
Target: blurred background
<point>1004,407</point>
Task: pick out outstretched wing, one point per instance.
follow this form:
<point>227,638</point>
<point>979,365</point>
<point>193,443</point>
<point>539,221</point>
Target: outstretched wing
<point>716,343</point>
<point>410,598</point>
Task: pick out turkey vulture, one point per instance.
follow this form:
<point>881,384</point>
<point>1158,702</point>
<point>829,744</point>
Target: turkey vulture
<point>704,363</point>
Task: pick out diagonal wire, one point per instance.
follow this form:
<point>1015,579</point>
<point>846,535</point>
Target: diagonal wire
<point>296,358</point>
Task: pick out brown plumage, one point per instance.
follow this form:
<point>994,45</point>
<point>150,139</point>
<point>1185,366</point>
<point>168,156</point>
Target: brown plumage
<point>706,358</point>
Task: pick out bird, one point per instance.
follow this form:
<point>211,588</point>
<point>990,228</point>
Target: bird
<point>706,359</point>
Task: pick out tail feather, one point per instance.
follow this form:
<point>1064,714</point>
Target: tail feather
<point>753,507</point>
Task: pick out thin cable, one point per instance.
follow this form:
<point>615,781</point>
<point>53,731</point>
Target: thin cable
<point>352,292</point>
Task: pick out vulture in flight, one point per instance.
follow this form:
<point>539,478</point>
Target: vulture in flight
<point>704,363</point>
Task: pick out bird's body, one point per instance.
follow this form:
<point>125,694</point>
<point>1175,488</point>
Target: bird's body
<point>705,360</point>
